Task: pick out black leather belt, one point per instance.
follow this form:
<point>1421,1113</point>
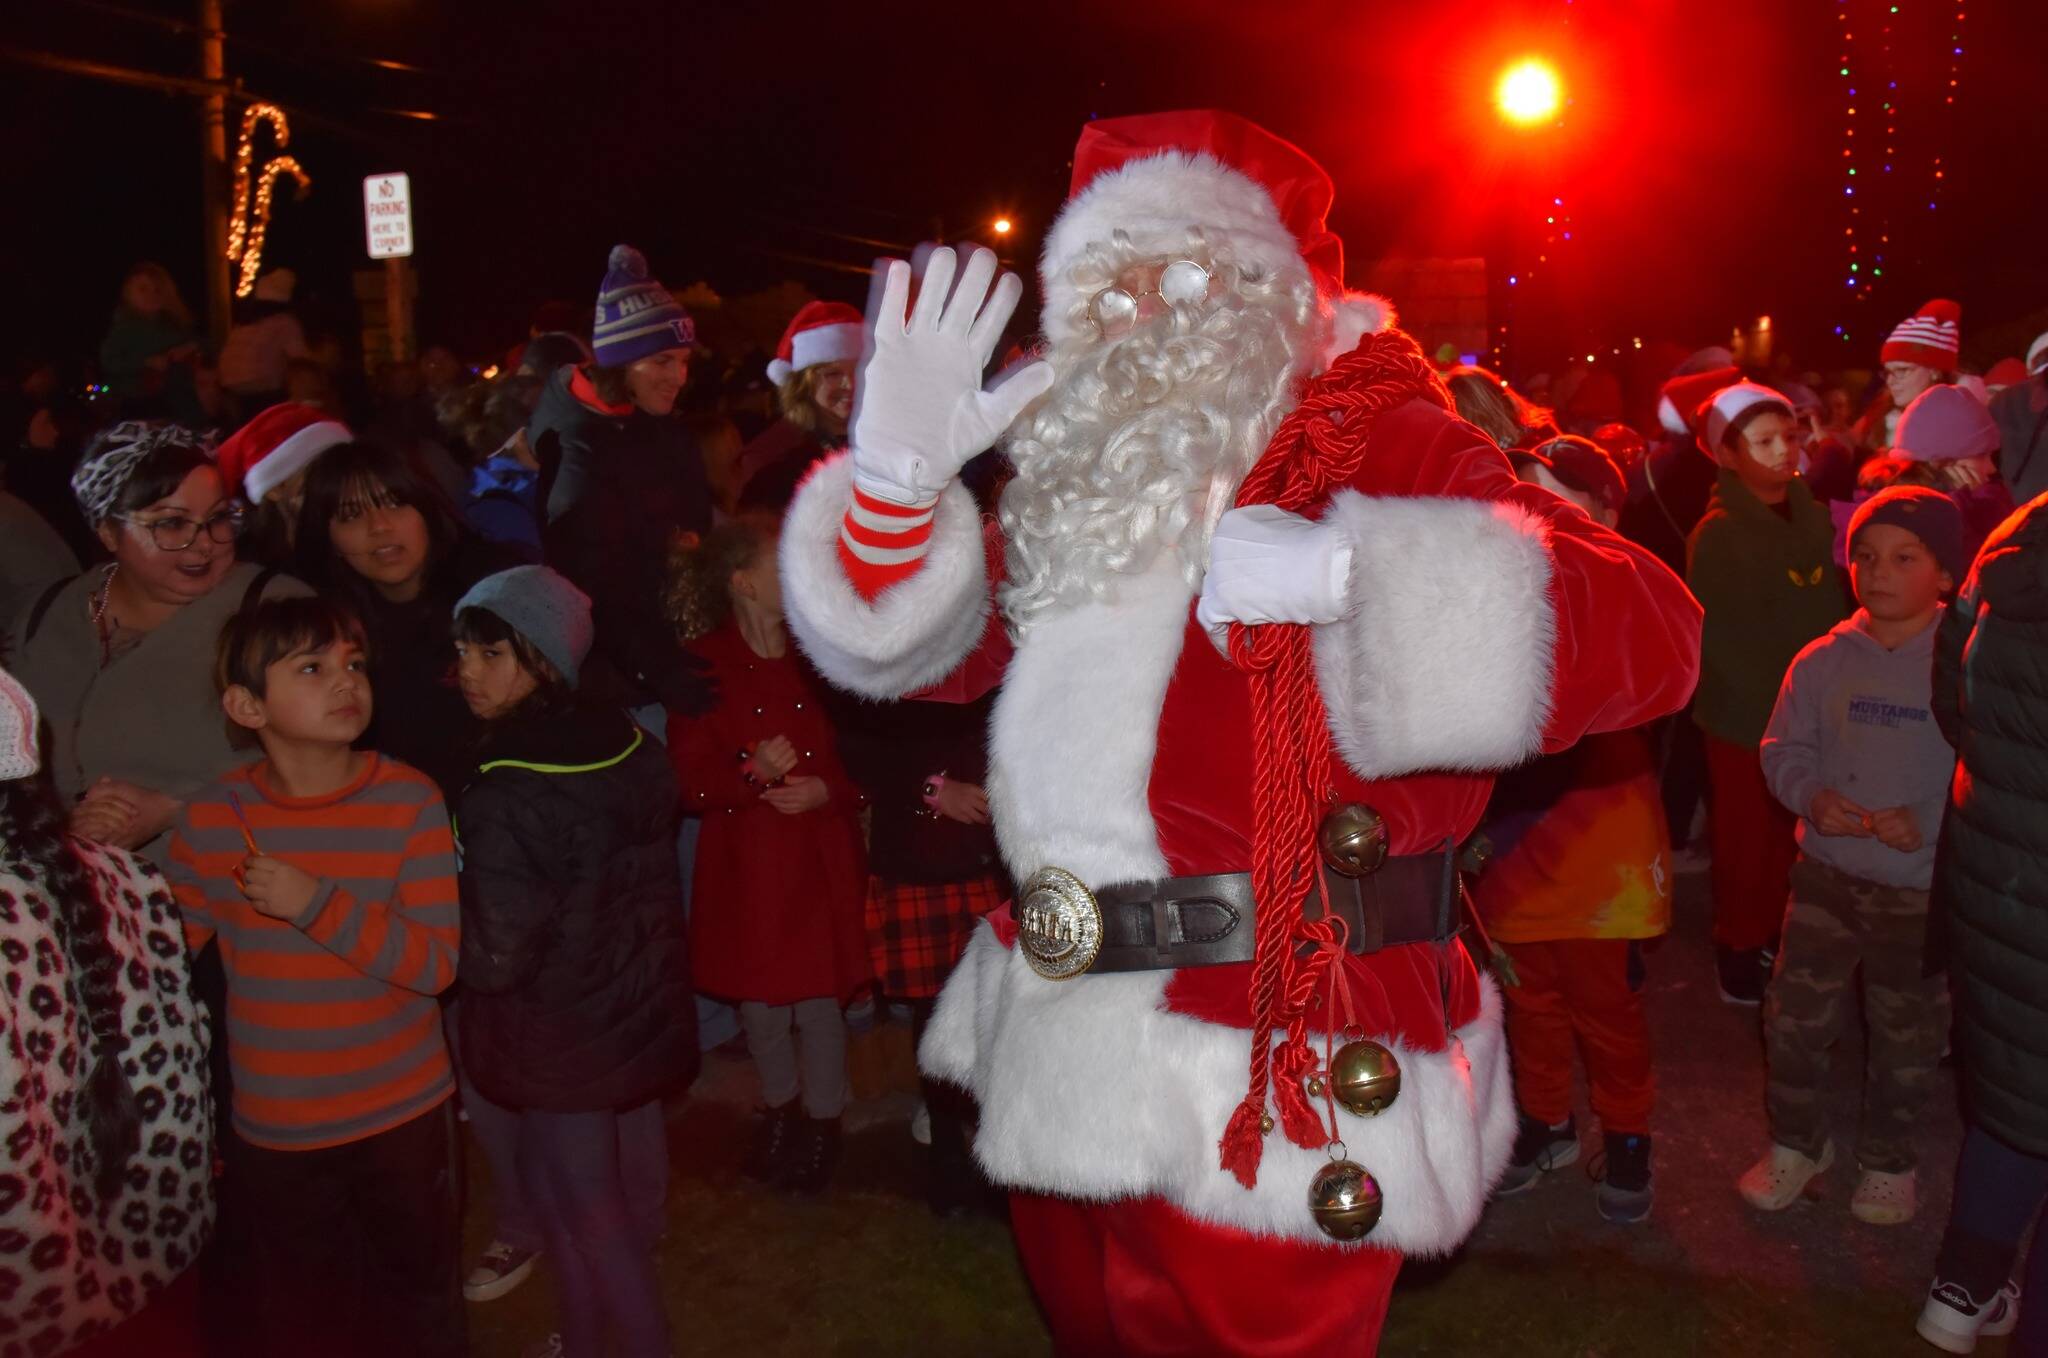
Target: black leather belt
<point>1209,921</point>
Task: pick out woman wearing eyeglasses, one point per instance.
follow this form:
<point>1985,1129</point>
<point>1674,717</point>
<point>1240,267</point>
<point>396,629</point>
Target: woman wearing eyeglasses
<point>120,658</point>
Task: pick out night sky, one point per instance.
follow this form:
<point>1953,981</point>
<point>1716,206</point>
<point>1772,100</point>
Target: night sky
<point>1701,157</point>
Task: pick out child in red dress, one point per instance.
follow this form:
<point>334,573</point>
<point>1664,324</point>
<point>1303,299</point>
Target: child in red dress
<point>781,873</point>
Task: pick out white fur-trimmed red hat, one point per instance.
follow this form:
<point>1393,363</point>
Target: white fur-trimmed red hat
<point>823,332</point>
<point>1155,175</point>
<point>270,449</point>
<point>1728,404</point>
<point>1931,336</point>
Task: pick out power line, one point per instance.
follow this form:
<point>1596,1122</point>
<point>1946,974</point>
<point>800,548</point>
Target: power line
<point>186,28</point>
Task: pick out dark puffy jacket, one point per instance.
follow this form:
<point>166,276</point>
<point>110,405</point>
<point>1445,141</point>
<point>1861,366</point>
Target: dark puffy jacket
<point>575,970</point>
<point>619,488</point>
<point>1991,873</point>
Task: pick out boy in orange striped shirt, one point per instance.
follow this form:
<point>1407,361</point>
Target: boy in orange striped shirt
<point>327,876</point>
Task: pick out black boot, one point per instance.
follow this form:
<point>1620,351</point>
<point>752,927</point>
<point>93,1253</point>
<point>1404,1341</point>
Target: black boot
<point>768,1150</point>
<point>813,1150</point>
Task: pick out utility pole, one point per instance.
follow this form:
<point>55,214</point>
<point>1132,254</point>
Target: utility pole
<point>213,168</point>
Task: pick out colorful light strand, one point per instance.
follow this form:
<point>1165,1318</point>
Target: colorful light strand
<point>249,223</point>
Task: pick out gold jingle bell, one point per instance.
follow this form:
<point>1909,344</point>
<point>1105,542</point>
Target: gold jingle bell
<point>1353,839</point>
<point>1365,1077</point>
<point>1345,1200</point>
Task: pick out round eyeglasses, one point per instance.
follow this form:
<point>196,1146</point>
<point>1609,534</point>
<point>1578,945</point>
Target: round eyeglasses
<point>1116,311</point>
<point>176,532</point>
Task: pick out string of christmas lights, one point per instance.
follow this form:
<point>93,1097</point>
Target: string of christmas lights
<point>249,221</point>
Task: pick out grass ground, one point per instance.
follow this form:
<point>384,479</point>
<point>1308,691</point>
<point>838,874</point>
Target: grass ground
<point>867,1271</point>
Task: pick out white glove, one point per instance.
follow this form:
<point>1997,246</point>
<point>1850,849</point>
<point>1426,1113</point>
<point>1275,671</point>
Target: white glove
<point>919,409</point>
<point>1267,565</point>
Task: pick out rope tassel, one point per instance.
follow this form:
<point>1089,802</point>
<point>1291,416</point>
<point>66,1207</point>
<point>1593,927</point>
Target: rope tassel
<point>1318,447</point>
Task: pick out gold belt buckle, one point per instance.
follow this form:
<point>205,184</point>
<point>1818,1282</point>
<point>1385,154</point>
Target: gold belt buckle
<point>1059,924</point>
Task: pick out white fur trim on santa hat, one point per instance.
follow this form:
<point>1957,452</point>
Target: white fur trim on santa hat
<point>1448,659</point>
<point>1353,316</point>
<point>1093,1089</point>
<point>914,633</point>
<point>293,455</point>
<point>1727,405</point>
<point>1155,201</point>
<point>2037,354</point>
<point>819,344</point>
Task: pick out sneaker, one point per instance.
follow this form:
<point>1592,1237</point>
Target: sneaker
<point>503,1267</point>
<point>1883,1199</point>
<point>813,1150</point>
<point>921,1125</point>
<point>1539,1148</point>
<point>1953,1321</point>
<point>1744,974</point>
<point>1623,1172</point>
<point>769,1146</point>
<point>1775,1182</point>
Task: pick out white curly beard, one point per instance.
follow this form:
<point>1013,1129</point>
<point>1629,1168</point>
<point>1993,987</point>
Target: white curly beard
<point>1141,443</point>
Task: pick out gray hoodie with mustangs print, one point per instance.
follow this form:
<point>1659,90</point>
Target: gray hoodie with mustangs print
<point>1856,717</point>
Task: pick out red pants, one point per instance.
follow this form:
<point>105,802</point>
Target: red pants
<point>1138,1277</point>
<point>1576,991</point>
<point>1750,835</point>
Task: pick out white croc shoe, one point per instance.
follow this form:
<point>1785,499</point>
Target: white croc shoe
<point>1775,1182</point>
<point>1883,1199</point>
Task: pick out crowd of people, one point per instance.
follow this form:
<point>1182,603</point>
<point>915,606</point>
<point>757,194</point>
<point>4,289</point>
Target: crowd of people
<point>450,749</point>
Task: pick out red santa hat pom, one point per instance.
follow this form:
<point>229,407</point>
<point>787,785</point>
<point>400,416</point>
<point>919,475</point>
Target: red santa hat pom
<point>1680,401</point>
<point>1931,337</point>
<point>1729,405</point>
<point>1353,316</point>
<point>1157,176</point>
<point>823,332</point>
<point>270,449</point>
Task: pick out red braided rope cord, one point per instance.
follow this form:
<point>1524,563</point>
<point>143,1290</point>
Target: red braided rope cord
<point>1318,447</point>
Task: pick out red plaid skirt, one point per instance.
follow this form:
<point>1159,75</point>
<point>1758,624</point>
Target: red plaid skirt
<point>916,932</point>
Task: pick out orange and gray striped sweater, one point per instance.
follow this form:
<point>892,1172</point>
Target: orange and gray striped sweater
<point>334,1034</point>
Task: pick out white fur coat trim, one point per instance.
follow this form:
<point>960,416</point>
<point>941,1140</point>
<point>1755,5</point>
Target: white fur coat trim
<point>1072,738</point>
<point>1092,1089</point>
<point>913,634</point>
<point>1447,660</point>
<point>1353,316</point>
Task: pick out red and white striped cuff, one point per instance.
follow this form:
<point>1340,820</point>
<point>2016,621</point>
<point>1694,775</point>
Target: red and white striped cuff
<point>881,543</point>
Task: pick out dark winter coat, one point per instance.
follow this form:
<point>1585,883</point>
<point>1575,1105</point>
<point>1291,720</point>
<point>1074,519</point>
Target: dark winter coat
<point>575,968</point>
<point>2021,413</point>
<point>891,749</point>
<point>420,716</point>
<point>621,486</point>
<point>1991,871</point>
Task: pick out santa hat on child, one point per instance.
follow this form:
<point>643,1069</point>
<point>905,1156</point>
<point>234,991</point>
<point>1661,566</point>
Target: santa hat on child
<point>279,443</point>
<point>1157,176</point>
<point>1931,337</point>
<point>823,332</point>
<point>1680,399</point>
<point>2007,372</point>
<point>1729,404</point>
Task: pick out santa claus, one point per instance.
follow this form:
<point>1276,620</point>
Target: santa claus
<point>1275,613</point>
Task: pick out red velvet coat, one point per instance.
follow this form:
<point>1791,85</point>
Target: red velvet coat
<point>776,905</point>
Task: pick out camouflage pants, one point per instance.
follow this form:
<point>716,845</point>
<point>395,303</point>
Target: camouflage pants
<point>1834,924</point>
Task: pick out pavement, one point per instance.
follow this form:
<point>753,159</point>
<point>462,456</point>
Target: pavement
<point>866,1270</point>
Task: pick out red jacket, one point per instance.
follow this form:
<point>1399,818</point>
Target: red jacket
<point>776,906</point>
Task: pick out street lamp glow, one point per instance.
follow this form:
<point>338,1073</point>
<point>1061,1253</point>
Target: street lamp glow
<point>1002,226</point>
<point>1529,92</point>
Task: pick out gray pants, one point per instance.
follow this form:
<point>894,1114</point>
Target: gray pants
<point>819,1049</point>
